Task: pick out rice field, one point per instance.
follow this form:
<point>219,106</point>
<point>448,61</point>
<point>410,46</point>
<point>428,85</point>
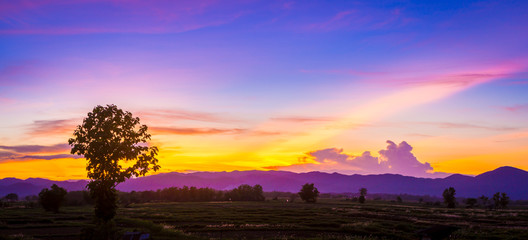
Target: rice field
<point>272,219</point>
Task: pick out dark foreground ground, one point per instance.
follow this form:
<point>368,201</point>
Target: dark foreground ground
<point>327,219</point>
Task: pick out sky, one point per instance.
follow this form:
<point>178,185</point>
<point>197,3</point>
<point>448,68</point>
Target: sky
<point>418,88</point>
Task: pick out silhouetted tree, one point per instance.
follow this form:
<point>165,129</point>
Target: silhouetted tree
<point>470,202</point>
<point>246,192</point>
<point>362,195</point>
<point>501,200</point>
<point>51,200</point>
<point>484,200</point>
<point>309,193</point>
<point>107,137</point>
<point>12,197</point>
<point>449,197</point>
<point>505,200</point>
<point>399,199</point>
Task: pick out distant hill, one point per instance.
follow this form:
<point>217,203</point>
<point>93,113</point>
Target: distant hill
<point>504,179</point>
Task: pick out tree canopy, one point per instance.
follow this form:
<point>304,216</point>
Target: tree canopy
<point>108,138</point>
<point>246,192</point>
<point>51,200</point>
<point>449,197</point>
<point>11,197</point>
<point>501,200</point>
<point>309,192</point>
<point>362,195</point>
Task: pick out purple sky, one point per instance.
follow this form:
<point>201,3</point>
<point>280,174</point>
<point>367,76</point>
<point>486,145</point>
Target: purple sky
<point>293,85</point>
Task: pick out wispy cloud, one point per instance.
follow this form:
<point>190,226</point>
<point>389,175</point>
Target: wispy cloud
<point>6,154</point>
<point>52,127</point>
<point>517,108</point>
<point>362,19</point>
<point>35,152</point>
<point>467,125</point>
<point>337,21</point>
<point>196,131</point>
<point>181,114</point>
<point>265,133</point>
<point>459,80</point>
<point>125,16</point>
<point>50,157</point>
<point>302,119</point>
<point>520,82</point>
<point>36,148</point>
<point>352,72</point>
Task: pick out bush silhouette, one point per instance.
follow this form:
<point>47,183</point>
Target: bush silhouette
<point>51,200</point>
<point>309,193</point>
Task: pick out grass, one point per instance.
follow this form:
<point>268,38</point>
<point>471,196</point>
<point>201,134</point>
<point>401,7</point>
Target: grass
<point>327,219</point>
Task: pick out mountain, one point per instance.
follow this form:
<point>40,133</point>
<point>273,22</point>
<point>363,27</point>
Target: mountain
<point>504,179</point>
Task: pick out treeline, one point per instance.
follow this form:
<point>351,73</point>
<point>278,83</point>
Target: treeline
<point>193,194</point>
<point>52,199</point>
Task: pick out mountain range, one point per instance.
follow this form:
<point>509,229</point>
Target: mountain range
<point>504,179</point>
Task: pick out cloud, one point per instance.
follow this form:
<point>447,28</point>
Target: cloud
<point>340,20</point>
<point>5,154</point>
<point>180,114</point>
<point>36,148</point>
<point>517,108</point>
<point>362,18</point>
<point>351,72</point>
<point>302,119</point>
<point>461,79</point>
<point>196,131</point>
<point>399,159</point>
<point>51,157</point>
<point>520,82</point>
<point>395,159</point>
<point>265,133</point>
<point>35,152</point>
<point>52,127</point>
<point>21,17</point>
<point>467,125</point>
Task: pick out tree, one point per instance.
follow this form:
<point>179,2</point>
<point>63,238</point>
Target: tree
<point>51,200</point>
<point>504,200</point>
<point>362,194</point>
<point>12,197</point>
<point>501,200</point>
<point>246,192</point>
<point>449,197</point>
<point>309,193</point>
<point>496,199</point>
<point>109,137</point>
<point>484,200</point>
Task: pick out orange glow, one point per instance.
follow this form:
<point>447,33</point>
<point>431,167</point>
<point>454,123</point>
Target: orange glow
<point>56,169</point>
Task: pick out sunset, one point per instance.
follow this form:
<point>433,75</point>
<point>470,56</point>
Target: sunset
<point>414,88</point>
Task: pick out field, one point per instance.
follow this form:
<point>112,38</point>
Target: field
<point>273,219</point>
